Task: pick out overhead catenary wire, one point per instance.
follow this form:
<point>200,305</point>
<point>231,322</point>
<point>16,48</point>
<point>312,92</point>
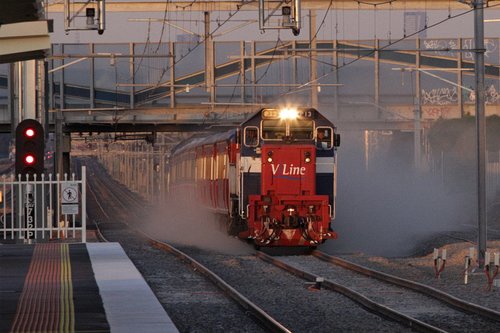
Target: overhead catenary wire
<point>198,43</point>
<point>371,52</point>
<point>163,25</point>
<point>361,56</point>
<point>323,21</point>
<point>278,41</point>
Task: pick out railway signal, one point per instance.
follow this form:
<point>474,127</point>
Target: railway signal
<point>30,147</point>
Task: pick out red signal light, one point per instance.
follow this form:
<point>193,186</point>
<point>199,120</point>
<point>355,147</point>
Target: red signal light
<point>29,132</point>
<point>29,159</point>
<point>29,148</point>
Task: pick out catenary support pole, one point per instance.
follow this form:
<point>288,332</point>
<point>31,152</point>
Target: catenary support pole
<point>313,64</point>
<point>480,129</point>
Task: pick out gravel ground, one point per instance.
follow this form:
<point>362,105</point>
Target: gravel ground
<point>288,298</point>
<point>421,269</point>
<point>413,304</point>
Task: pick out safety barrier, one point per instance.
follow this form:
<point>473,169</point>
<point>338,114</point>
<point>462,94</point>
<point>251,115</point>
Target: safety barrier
<point>43,208</point>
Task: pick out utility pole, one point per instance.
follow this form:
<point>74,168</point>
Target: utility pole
<point>417,148</point>
<point>209,59</point>
<point>480,130</point>
<point>313,64</point>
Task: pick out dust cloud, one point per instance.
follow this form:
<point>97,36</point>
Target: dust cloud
<point>185,222</point>
<point>385,207</point>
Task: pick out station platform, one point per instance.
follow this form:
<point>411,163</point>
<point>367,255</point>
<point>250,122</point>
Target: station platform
<point>61,287</point>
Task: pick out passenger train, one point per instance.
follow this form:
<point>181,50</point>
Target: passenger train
<point>272,179</point>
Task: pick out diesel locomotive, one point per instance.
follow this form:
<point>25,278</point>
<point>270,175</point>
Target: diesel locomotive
<point>271,180</point>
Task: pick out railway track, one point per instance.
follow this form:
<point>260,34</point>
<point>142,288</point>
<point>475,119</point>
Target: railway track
<point>193,303</point>
<point>271,291</point>
<point>279,301</point>
<point>409,303</point>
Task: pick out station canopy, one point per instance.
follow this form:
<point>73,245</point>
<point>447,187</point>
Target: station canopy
<point>24,33</point>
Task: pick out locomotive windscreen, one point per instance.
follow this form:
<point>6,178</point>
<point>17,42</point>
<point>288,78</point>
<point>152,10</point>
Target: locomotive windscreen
<point>301,129</point>
<point>277,129</point>
<point>273,129</point>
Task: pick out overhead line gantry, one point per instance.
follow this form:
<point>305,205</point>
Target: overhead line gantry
<point>160,6</point>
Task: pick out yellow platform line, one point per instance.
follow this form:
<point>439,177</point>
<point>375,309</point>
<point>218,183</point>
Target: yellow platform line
<point>67,310</point>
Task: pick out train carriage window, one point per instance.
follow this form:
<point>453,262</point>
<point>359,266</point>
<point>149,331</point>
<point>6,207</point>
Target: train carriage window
<point>324,138</point>
<point>251,136</point>
<point>183,170</point>
<point>199,168</point>
<point>220,166</point>
<point>224,173</point>
<point>189,173</point>
<point>208,167</point>
<point>204,171</point>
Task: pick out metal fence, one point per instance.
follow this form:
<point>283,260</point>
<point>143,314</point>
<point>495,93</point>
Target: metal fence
<point>493,174</point>
<point>456,172</point>
<point>43,208</point>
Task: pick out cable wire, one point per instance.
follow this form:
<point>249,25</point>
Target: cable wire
<point>370,53</point>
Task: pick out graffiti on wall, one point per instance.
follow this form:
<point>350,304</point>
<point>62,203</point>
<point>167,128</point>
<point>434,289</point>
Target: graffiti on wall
<point>467,44</point>
<point>435,112</point>
<point>446,96</point>
<point>492,95</point>
<point>440,96</point>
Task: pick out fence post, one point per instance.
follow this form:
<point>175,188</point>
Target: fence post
<point>84,205</point>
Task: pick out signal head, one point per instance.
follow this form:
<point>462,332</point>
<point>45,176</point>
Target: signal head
<point>30,148</point>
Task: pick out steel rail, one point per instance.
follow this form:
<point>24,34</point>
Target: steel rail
<point>263,318</point>
<point>90,188</point>
<point>365,302</point>
<point>412,285</point>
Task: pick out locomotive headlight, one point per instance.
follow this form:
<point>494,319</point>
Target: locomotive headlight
<point>307,157</point>
<point>270,156</point>
<point>290,210</point>
<point>288,113</point>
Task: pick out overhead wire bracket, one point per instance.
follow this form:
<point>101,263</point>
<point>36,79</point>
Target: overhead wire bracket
<point>280,14</point>
<point>85,15</point>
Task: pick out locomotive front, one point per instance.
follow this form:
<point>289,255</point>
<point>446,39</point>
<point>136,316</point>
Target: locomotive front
<point>287,177</point>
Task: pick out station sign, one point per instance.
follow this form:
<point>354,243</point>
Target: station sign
<point>29,214</point>
<point>69,198</point>
<point>69,193</point>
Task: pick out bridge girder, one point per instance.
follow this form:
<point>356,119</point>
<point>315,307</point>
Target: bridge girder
<point>203,6</point>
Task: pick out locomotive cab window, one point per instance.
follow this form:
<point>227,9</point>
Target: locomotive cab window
<point>273,129</point>
<point>296,129</point>
<point>324,138</point>
<point>251,136</point>
<point>302,129</point>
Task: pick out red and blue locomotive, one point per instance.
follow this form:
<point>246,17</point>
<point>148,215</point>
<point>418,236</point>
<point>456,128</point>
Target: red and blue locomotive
<point>273,179</point>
